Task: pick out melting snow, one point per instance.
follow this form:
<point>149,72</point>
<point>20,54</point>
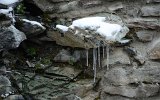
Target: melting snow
<point>62,28</point>
<point>111,32</point>
<point>6,11</point>
<point>8,2</point>
<point>33,23</point>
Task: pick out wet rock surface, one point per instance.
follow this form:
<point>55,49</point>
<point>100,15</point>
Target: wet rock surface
<point>51,65</point>
<point>10,38</point>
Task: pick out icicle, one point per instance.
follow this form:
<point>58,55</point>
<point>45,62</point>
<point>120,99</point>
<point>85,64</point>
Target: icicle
<point>99,57</point>
<point>94,63</point>
<point>86,57</point>
<point>103,51</point>
<point>107,52</point>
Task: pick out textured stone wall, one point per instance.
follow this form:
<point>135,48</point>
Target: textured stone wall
<point>134,69</point>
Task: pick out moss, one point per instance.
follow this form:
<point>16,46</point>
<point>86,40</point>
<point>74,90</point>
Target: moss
<point>20,9</point>
<point>46,61</point>
<point>32,51</point>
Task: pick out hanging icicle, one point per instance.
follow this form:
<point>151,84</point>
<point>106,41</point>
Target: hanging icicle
<point>87,57</point>
<point>107,52</point>
<point>99,57</point>
<point>103,50</point>
<point>94,63</point>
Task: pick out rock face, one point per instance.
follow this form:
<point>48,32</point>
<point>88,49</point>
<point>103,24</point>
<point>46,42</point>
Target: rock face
<point>151,10</point>
<point>145,36</point>
<point>154,52</point>
<point>118,56</point>
<point>134,68</point>
<point>11,38</point>
<point>132,82</point>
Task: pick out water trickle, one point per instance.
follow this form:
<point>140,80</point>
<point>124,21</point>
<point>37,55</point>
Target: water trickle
<point>94,63</point>
<point>107,52</point>
<point>86,57</point>
<point>99,57</point>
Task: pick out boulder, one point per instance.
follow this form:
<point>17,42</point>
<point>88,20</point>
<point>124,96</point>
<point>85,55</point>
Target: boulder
<point>30,28</point>
<point>10,38</point>
<point>90,35</point>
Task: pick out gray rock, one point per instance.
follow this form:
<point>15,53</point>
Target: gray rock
<point>145,36</point>
<point>116,6</point>
<point>15,97</point>
<point>69,8</point>
<point>142,91</point>
<point>153,1</point>
<point>66,71</point>
<point>5,21</point>
<point>118,56</point>
<point>64,56</point>
<point>131,82</point>
<point>29,29</point>
<point>4,81</point>
<point>154,51</point>
<point>2,70</point>
<point>135,54</point>
<point>10,38</point>
<point>151,10</point>
<point>121,76</point>
<point>144,23</point>
<point>5,87</point>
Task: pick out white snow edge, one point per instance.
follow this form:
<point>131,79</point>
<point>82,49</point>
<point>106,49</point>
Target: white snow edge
<point>34,23</point>
<point>62,28</point>
<point>111,32</point>
<point>8,2</point>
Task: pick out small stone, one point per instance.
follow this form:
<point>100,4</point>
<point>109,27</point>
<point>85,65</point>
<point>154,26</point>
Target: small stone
<point>145,36</point>
<point>151,11</point>
<point>154,52</point>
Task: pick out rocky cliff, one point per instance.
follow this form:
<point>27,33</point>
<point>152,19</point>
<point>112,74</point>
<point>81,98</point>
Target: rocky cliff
<point>52,65</point>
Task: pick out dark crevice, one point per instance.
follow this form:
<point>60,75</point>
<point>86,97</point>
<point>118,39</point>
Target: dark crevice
<point>32,9</point>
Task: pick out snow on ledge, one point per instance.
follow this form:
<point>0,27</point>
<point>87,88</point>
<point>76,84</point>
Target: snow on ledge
<point>62,28</point>
<point>6,11</point>
<point>33,23</point>
<point>8,2</point>
<point>111,32</point>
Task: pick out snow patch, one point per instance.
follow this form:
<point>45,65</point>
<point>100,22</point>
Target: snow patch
<point>7,12</point>
<point>62,28</point>
<point>91,23</point>
<point>8,2</point>
<point>34,23</point>
<point>111,32</point>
